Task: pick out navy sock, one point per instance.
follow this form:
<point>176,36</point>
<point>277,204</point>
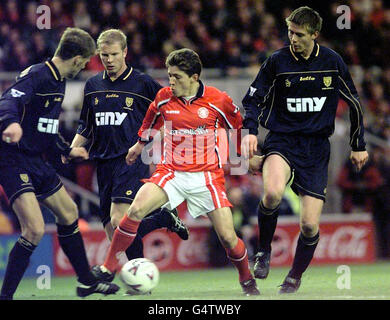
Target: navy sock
<point>267,220</point>
<point>136,249</point>
<point>72,244</point>
<point>18,261</point>
<point>303,254</point>
<point>159,218</point>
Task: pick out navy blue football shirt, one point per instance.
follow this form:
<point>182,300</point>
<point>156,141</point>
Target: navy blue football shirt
<point>113,111</point>
<point>297,96</point>
<point>34,101</point>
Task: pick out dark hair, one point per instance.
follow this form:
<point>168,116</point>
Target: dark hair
<point>74,42</point>
<point>307,17</point>
<point>186,60</point>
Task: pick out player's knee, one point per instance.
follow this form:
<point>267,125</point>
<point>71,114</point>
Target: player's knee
<point>136,211</point>
<point>70,215</point>
<point>33,232</point>
<point>272,198</point>
<point>115,220</point>
<point>228,239</point>
<point>309,229</point>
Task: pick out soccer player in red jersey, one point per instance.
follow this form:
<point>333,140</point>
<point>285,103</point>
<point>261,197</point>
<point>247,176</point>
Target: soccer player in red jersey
<point>191,164</point>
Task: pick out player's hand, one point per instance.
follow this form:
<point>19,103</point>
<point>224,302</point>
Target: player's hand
<point>78,153</point>
<point>255,164</point>
<point>13,133</point>
<point>133,153</point>
<point>359,159</point>
<point>64,160</point>
<point>249,146</point>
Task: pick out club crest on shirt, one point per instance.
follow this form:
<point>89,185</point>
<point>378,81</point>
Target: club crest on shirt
<point>203,113</point>
<point>327,81</point>
<point>24,177</point>
<point>129,101</point>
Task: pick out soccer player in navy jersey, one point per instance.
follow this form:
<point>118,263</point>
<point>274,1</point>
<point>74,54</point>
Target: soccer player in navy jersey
<point>295,97</point>
<point>114,106</point>
<point>29,112</point>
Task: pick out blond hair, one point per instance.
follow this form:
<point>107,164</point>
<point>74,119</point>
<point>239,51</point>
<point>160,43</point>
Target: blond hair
<point>111,36</point>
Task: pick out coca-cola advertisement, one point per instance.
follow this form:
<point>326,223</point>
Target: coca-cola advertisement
<point>343,239</point>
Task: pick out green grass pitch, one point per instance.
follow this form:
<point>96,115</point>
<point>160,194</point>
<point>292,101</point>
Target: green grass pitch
<point>367,282</point>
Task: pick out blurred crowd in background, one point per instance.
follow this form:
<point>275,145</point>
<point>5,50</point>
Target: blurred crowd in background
<point>230,36</point>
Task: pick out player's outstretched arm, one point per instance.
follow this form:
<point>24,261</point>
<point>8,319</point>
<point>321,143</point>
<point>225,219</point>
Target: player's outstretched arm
<point>359,159</point>
<point>134,152</point>
<point>13,133</point>
<point>79,153</point>
<point>78,141</point>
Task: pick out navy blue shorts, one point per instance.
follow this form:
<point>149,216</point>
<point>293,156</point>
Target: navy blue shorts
<point>118,183</point>
<point>308,157</point>
<point>20,173</point>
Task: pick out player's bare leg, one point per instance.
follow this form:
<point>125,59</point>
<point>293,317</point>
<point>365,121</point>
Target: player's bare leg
<point>149,198</point>
<point>276,173</point>
<point>222,221</point>
<point>71,242</point>
<point>307,242</point>
<point>116,214</point>
<point>29,214</point>
<point>26,208</point>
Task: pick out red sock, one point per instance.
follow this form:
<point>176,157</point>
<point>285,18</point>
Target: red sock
<point>239,257</point>
<point>122,239</point>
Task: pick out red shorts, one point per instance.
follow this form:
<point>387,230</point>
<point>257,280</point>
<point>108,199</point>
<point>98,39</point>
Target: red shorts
<point>204,191</point>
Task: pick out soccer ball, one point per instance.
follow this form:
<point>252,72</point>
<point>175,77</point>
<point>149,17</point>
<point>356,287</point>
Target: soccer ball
<point>140,276</point>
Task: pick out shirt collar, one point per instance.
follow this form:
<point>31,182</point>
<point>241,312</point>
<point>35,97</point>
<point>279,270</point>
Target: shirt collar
<point>199,94</point>
<point>123,76</point>
<point>315,52</point>
<point>56,74</point>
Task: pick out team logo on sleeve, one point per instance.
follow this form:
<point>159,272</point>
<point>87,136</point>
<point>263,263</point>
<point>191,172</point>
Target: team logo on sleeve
<point>24,72</point>
<point>16,93</point>
<point>203,113</point>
